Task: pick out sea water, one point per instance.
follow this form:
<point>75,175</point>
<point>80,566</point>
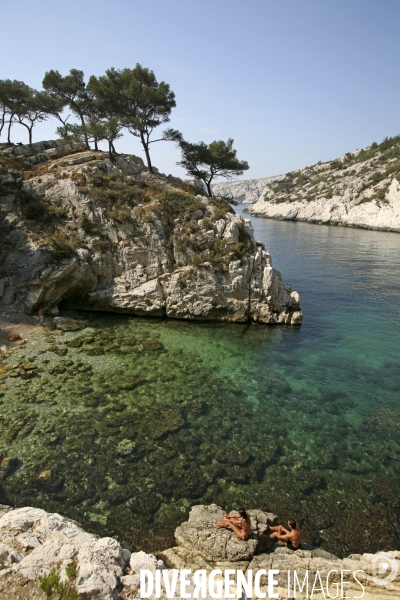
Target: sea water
<point>126,424</point>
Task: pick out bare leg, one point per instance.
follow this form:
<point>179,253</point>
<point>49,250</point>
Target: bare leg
<point>227,525</point>
<point>237,530</point>
<point>224,524</point>
<point>278,531</point>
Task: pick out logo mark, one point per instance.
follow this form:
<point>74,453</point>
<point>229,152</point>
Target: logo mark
<point>384,568</point>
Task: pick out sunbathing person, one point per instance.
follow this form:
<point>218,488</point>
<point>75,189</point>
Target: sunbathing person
<point>291,537</point>
<point>239,523</point>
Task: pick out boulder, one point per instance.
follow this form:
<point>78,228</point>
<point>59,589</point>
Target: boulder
<point>141,560</point>
<point>200,540</point>
<point>66,324</point>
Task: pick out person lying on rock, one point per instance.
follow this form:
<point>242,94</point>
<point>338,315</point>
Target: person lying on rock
<point>239,523</point>
<point>291,537</point>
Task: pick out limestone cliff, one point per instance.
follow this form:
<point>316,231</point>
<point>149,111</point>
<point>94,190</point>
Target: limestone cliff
<point>93,234</point>
<point>360,189</point>
<point>247,191</point>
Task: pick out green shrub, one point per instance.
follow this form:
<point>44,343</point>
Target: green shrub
<point>40,209</point>
<point>174,205</point>
<point>302,179</point>
<point>381,193</point>
<point>182,281</point>
<point>149,218</point>
<point>88,225</point>
<point>49,583</point>
<point>197,260</point>
<point>72,569</point>
<point>221,208</point>
<point>121,215</point>
<point>191,189</point>
<point>52,586</point>
<point>60,250</point>
<point>117,190</point>
<point>192,227</point>
<point>377,177</point>
<point>207,223</point>
<point>284,185</point>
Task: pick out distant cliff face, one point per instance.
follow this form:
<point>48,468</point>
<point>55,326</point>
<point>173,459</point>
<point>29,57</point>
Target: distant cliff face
<point>357,190</point>
<point>79,229</point>
<point>245,192</point>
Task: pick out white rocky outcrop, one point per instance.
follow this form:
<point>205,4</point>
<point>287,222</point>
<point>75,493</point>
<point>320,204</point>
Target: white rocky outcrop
<point>198,267</point>
<point>33,543</point>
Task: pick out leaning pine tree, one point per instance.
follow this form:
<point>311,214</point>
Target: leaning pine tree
<point>206,162</point>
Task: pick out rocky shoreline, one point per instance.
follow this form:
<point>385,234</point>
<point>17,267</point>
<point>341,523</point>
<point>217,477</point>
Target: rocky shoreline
<point>336,211</point>
<point>33,544</point>
<point>359,189</point>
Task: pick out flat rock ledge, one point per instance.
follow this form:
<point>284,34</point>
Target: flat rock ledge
<point>34,542</point>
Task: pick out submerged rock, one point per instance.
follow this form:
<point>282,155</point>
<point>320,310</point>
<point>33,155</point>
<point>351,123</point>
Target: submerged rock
<point>66,324</point>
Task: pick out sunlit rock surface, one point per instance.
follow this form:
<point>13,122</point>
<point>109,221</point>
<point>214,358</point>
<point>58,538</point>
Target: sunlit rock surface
<point>109,236</point>
<point>33,543</point>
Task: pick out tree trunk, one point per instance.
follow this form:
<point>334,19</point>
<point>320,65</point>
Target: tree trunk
<point>9,128</point>
<point>3,120</point>
<point>84,131</point>
<point>110,145</point>
<point>95,144</point>
<point>146,150</point>
<point>208,184</point>
<point>29,130</point>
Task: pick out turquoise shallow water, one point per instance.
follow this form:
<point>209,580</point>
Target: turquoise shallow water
<point>126,424</point>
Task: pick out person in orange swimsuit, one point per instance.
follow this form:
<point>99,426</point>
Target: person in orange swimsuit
<point>239,523</point>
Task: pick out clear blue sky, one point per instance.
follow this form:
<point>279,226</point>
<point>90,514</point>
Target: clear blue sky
<point>293,81</point>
